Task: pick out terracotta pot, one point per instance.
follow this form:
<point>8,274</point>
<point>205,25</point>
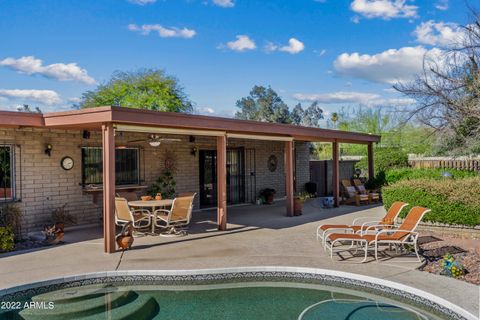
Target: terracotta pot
<point>270,199</point>
<point>298,207</point>
<point>125,242</point>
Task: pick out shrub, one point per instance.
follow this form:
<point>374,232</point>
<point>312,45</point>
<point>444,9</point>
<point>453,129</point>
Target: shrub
<point>385,158</point>
<point>62,215</point>
<point>6,239</point>
<point>398,174</point>
<point>11,216</point>
<point>452,201</point>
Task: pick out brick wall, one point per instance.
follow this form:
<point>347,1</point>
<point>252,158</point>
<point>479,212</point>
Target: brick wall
<point>43,185</point>
<point>302,165</point>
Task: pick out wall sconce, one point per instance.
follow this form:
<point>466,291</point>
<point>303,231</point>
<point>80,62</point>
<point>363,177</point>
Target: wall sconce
<point>48,149</point>
<point>86,134</point>
<point>191,139</point>
<point>193,152</point>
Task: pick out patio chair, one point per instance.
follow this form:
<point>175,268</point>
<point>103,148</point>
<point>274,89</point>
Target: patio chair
<point>140,218</point>
<point>372,196</point>
<point>369,223</point>
<point>404,234</point>
<point>351,195</point>
<point>178,215</point>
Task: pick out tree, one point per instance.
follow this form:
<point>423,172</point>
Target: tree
<point>264,104</point>
<point>448,92</point>
<point>142,89</point>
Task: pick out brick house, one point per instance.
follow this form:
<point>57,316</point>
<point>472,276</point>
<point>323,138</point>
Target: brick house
<point>51,159</point>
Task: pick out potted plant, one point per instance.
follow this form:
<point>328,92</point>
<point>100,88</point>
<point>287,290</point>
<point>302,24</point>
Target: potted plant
<point>300,199</point>
<point>165,186</point>
<point>267,195</point>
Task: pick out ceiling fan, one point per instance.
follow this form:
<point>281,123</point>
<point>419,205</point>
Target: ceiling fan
<point>155,140</point>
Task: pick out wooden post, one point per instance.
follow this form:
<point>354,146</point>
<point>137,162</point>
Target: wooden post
<point>371,164</point>
<point>289,179</point>
<point>336,174</point>
<point>222,183</point>
<point>108,143</point>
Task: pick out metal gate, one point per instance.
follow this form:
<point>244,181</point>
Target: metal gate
<point>250,176</point>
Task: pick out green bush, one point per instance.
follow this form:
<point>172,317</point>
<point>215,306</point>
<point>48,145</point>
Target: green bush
<point>11,216</point>
<point>385,158</point>
<point>452,201</point>
<point>394,175</point>
<point>6,239</point>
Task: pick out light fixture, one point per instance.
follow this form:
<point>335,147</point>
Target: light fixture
<point>154,143</point>
<point>48,149</point>
<point>193,151</point>
<point>358,172</point>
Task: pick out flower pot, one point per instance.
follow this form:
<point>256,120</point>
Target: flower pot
<point>298,207</point>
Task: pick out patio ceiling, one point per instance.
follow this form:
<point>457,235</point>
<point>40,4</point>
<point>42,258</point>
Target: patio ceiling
<point>127,119</point>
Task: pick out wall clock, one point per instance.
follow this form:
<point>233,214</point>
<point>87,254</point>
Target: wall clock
<point>67,163</point>
<point>272,163</point>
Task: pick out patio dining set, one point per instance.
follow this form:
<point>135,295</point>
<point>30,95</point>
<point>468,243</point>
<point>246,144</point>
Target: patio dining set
<point>166,214</point>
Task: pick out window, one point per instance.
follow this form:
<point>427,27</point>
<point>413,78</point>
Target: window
<point>7,189</point>
<point>126,166</point>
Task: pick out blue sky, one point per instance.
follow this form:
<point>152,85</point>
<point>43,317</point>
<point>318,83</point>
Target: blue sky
<point>339,52</point>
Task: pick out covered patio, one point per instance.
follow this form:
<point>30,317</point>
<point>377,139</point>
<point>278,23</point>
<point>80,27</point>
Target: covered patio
<point>115,124</point>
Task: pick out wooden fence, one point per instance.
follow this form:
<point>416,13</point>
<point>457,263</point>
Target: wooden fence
<point>446,163</point>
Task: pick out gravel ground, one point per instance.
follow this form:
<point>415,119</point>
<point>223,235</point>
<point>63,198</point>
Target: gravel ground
<point>469,258</point>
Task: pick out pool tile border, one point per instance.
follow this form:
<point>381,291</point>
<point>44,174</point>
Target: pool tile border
<point>376,286</point>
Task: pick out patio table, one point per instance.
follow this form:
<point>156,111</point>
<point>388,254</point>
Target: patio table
<point>151,204</point>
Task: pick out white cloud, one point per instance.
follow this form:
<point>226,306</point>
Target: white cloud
<point>390,66</point>
<point>163,32</point>
<point>75,99</point>
<point>391,102</point>
<point>338,97</point>
<point>242,43</point>
<point>224,3</point>
<point>438,33</point>
<point>384,9</point>
<point>442,5</point>
<point>60,71</point>
<point>47,97</point>
<point>363,98</point>
<point>320,53</point>
<point>206,110</point>
<point>142,2</point>
<point>294,46</point>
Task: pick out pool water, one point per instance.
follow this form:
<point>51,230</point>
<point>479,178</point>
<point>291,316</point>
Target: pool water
<point>233,301</point>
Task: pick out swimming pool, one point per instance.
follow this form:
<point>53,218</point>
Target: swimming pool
<point>246,293</point>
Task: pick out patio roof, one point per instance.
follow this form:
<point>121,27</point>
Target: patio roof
<point>93,118</point>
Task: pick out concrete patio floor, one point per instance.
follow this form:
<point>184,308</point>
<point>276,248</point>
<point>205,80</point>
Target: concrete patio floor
<point>257,236</point>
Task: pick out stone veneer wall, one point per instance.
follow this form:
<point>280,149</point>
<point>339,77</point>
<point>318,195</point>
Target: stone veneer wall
<point>43,185</point>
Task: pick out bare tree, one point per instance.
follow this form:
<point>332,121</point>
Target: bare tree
<point>448,91</point>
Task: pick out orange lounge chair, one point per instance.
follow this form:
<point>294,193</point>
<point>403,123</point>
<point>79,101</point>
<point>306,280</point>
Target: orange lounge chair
<point>405,234</point>
<point>370,224</point>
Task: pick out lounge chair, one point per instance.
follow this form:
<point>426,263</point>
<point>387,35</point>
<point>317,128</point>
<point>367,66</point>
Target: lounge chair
<point>405,234</point>
<point>351,194</point>
<point>140,218</point>
<point>372,196</point>
<point>178,215</point>
<point>368,223</point>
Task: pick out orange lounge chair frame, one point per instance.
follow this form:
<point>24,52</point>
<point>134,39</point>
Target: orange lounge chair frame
<point>369,225</point>
<point>405,234</point>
